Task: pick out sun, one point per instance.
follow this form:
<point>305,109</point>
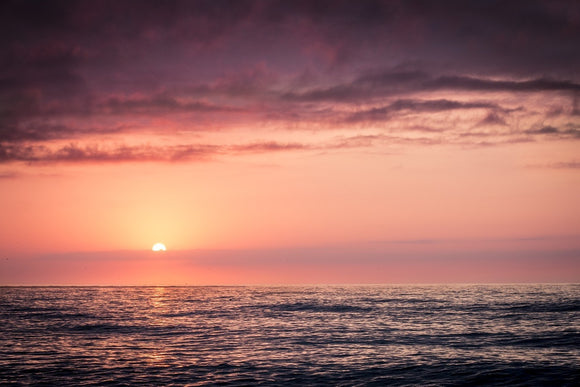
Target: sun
<point>159,247</point>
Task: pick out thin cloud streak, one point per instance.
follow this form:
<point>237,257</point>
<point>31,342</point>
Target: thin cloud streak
<point>565,165</point>
<point>417,106</point>
<point>146,153</point>
<point>388,84</point>
<point>38,153</point>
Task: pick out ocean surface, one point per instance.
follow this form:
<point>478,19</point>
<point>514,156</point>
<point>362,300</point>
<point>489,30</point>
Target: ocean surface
<point>510,335</point>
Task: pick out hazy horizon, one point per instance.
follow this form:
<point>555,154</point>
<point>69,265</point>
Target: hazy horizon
<point>372,263</point>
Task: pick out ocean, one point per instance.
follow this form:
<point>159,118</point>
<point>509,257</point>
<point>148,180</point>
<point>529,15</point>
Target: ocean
<point>452,335</point>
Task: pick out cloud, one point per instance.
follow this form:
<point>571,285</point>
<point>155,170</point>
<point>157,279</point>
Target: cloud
<point>492,118</point>
<point>99,154</point>
<point>571,165</point>
<point>270,146</point>
<point>571,132</point>
<point>374,140</point>
<point>151,105</point>
<point>37,132</point>
<point>44,153</point>
<point>566,165</point>
<point>159,104</point>
<point>417,106</point>
<point>525,38</point>
<point>9,175</point>
<point>543,130</point>
<point>363,88</point>
<point>478,84</point>
<point>391,83</point>
<point>95,154</point>
<point>72,153</point>
<point>439,105</point>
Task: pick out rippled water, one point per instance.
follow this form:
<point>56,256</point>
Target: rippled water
<point>350,335</point>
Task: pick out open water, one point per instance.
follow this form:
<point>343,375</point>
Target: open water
<point>527,335</point>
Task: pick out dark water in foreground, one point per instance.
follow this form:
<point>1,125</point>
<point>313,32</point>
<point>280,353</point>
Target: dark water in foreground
<point>351,335</point>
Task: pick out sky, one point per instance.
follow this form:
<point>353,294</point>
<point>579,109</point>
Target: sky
<point>289,142</point>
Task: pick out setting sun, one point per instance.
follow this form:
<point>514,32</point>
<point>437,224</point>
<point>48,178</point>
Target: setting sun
<point>159,247</point>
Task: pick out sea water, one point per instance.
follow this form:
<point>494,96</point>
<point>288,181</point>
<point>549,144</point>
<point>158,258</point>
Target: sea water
<point>296,335</point>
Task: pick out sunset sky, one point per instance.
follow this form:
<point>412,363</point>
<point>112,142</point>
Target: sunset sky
<point>271,142</point>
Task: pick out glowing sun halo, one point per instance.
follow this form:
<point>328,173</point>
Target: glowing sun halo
<point>159,247</point>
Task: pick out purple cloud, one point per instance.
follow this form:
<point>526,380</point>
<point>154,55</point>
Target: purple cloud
<point>71,70</point>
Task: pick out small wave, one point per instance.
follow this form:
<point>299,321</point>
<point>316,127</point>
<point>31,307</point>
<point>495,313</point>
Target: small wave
<point>545,307</point>
<point>102,327</point>
<point>559,340</point>
<point>320,308</point>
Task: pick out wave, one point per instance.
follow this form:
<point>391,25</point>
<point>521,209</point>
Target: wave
<point>480,335</point>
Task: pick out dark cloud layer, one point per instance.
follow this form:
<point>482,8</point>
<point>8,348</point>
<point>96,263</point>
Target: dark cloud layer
<point>78,69</point>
